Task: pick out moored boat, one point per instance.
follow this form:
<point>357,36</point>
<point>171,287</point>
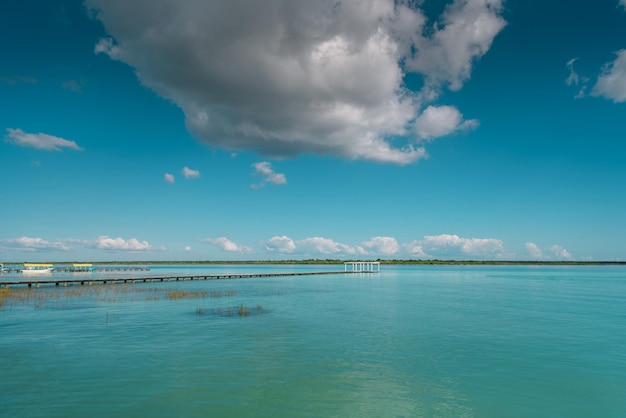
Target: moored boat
<point>37,268</point>
<point>82,268</point>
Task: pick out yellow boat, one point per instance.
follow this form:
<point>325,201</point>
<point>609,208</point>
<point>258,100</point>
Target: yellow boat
<point>82,267</point>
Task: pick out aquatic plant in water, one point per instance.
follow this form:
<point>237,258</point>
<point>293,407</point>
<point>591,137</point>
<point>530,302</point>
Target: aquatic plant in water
<point>66,297</point>
<point>236,311</point>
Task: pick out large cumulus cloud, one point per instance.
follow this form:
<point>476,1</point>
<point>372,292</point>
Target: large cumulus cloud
<point>285,77</point>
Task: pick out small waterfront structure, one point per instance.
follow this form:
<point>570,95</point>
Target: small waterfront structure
<point>37,268</point>
<point>362,266</point>
<point>82,267</point>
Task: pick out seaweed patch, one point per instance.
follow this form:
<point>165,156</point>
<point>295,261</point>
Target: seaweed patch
<point>235,311</point>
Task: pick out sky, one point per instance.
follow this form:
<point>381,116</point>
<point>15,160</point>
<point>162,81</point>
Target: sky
<point>312,129</point>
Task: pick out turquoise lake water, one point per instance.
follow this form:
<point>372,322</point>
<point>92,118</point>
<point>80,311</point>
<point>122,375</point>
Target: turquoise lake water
<point>411,341</point>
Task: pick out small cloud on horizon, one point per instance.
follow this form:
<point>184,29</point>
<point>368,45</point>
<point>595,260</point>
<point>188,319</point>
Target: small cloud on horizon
<point>453,246</point>
<point>281,244</point>
<point>558,252</point>
<point>32,244</point>
<point>436,246</point>
<point>533,250</point>
<point>104,242</point>
<point>381,245</point>
<point>227,245</point>
<point>322,245</point>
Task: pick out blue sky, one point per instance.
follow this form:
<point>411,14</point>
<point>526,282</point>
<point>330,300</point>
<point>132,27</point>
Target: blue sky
<point>245,130</point>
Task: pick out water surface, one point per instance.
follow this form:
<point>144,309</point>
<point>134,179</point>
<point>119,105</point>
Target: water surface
<point>444,341</point>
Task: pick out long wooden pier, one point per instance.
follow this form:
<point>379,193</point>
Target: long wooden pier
<point>104,280</point>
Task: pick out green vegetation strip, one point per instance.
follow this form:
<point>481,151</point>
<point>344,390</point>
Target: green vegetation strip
<point>340,262</point>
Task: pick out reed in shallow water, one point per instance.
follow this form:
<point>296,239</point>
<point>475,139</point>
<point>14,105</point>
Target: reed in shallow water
<point>184,294</point>
<point>66,296</point>
<point>4,293</point>
<point>237,311</point>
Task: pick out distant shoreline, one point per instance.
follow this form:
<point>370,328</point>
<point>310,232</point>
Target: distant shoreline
<point>340,262</point>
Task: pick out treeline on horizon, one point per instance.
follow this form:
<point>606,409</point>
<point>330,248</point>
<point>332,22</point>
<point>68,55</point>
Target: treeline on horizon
<point>338,262</point>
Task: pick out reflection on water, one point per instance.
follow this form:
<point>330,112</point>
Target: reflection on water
<point>35,273</point>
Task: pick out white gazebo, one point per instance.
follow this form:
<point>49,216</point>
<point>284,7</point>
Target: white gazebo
<point>362,266</point>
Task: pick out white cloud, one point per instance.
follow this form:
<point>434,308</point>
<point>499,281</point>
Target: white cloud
<point>21,79</point>
<point>264,169</point>
<point>465,33</point>
<point>226,245</point>
<point>282,244</point>
<point>381,246</point>
<point>283,77</point>
<point>190,174</point>
<point>187,248</point>
<point>611,83</point>
<point>72,85</point>
<point>437,121</point>
<point>533,250</point>
<point>323,246</point>
<point>39,140</point>
<point>415,249</point>
<point>560,252</point>
<point>447,245</point>
<point>573,78</point>
<point>104,242</point>
<point>468,246</point>
<point>32,244</point>
<point>169,178</point>
<point>106,46</point>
